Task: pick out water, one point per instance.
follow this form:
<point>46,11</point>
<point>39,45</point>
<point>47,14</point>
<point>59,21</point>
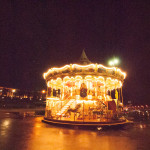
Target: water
<point>31,134</point>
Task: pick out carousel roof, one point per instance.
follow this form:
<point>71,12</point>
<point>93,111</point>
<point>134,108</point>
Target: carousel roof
<point>85,67</point>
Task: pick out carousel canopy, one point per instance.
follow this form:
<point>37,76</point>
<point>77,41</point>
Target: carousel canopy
<point>83,69</point>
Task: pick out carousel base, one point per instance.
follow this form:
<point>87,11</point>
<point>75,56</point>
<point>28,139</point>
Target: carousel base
<point>115,124</point>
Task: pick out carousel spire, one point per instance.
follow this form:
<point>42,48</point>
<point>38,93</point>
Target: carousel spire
<point>84,59</point>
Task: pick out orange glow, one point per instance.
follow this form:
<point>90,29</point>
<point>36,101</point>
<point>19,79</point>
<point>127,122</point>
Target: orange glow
<point>14,90</point>
<point>43,91</point>
<point>70,67</point>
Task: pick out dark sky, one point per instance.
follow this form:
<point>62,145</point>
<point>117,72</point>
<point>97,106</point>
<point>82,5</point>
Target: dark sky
<point>38,34</point>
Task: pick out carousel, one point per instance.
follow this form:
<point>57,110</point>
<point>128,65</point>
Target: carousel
<point>84,95</point>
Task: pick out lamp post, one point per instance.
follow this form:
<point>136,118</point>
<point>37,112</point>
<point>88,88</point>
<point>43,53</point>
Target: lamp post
<point>13,92</point>
<point>43,94</point>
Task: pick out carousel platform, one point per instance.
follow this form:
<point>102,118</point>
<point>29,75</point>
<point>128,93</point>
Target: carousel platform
<point>117,124</point>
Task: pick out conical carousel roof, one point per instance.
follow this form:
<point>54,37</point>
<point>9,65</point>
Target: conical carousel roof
<point>82,68</point>
<point>83,59</point>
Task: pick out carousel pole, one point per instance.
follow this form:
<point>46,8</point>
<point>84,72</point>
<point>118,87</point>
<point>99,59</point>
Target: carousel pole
<point>83,103</point>
<point>46,100</point>
<point>106,94</point>
<point>106,100</point>
<point>96,68</point>
<point>83,110</point>
<point>50,101</point>
<point>122,96</point>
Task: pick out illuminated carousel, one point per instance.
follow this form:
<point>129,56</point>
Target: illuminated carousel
<point>84,95</point>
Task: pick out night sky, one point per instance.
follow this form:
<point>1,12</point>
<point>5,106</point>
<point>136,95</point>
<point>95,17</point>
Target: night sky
<point>38,34</point>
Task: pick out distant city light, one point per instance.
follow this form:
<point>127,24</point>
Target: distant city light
<point>13,90</point>
<point>43,91</point>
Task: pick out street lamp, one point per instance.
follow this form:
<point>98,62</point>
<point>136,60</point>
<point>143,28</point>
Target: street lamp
<point>13,92</point>
<point>113,62</point>
<point>43,91</point>
<point>43,94</point>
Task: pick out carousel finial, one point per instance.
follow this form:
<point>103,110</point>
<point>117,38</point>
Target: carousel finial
<point>84,59</point>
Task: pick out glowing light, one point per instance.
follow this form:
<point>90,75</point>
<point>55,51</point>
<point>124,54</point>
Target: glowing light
<point>86,101</point>
<point>116,61</point>
<point>43,91</point>
<point>84,67</point>
<point>67,82</point>
<point>52,98</point>
<point>77,96</point>
<point>6,123</point>
<point>113,62</point>
<point>14,90</point>
<point>89,96</point>
<point>142,126</point>
<point>37,125</point>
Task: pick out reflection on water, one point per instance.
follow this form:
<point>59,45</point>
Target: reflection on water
<point>32,134</point>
